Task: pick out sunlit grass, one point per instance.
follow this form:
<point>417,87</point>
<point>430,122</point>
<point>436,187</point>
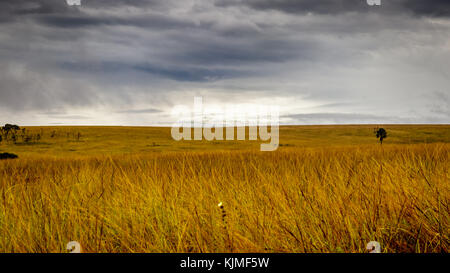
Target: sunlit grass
<point>318,197</point>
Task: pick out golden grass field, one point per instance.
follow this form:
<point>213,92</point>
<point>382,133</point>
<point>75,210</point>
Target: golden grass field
<point>326,189</point>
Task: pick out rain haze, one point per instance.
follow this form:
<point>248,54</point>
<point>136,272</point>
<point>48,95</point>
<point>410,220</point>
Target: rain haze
<point>131,62</point>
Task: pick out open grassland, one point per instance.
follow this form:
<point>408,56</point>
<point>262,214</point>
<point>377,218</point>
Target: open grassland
<point>64,141</point>
<point>326,189</point>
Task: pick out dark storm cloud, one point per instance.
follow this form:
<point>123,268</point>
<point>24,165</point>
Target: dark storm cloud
<point>118,54</point>
<point>49,11</point>
<point>23,7</point>
<point>76,21</point>
<point>428,8</point>
<point>129,3</point>
<point>190,74</point>
<point>256,48</point>
<point>416,7</point>
<point>300,6</point>
<point>17,10</point>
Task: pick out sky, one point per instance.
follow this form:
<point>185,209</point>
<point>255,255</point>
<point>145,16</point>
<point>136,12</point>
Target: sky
<point>131,62</point>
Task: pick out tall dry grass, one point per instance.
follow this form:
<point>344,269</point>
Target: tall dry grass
<point>294,200</point>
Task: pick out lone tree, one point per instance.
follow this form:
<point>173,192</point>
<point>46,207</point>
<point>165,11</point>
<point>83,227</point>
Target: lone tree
<point>381,134</point>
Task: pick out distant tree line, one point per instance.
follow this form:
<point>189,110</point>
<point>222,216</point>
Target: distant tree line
<point>13,133</point>
<point>8,131</point>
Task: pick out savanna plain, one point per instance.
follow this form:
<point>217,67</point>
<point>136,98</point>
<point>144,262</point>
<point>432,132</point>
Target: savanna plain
<point>135,189</point>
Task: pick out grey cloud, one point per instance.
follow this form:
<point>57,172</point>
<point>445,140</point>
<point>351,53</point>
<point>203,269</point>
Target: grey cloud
<point>337,104</point>
<point>182,73</point>
<point>70,117</point>
<point>348,118</point>
<point>26,88</point>
<point>333,115</point>
<point>441,106</point>
<point>140,111</point>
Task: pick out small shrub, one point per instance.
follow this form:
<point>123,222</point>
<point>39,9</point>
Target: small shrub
<point>7,156</point>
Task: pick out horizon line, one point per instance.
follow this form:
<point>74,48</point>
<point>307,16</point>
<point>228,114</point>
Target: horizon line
<point>268,125</point>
